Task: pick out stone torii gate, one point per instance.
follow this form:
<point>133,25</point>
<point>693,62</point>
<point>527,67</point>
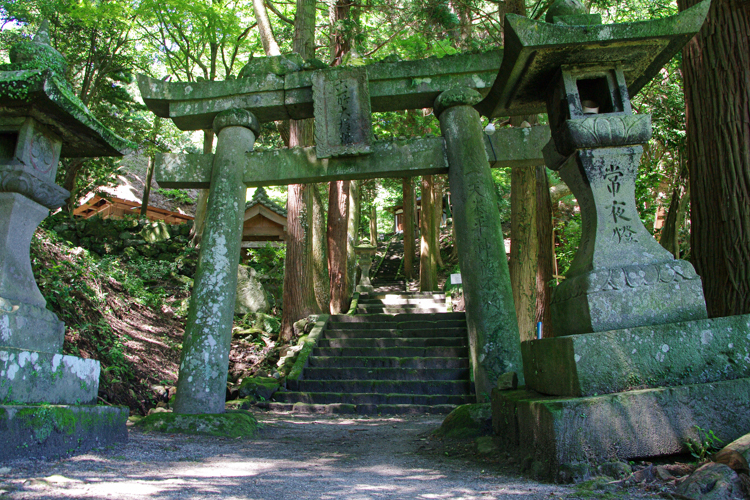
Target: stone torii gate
<point>554,68</point>
<point>341,101</point>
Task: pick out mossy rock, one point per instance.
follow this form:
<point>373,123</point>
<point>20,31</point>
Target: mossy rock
<point>232,424</point>
<point>467,421</point>
<point>260,388</point>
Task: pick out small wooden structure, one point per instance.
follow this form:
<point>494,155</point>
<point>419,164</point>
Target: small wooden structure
<point>117,208</point>
<point>264,222</point>
<point>398,215</point>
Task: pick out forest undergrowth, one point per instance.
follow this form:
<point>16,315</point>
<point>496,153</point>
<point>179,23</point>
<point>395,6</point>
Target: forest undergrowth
<point>124,301</point>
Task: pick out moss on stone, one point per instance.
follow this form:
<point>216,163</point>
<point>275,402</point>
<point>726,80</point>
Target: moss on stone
<point>45,420</point>
<point>261,388</point>
<point>467,421</point>
<point>232,424</point>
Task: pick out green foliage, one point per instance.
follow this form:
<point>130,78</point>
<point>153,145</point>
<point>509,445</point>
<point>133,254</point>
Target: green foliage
<point>569,236</point>
<point>706,444</point>
<point>179,195</point>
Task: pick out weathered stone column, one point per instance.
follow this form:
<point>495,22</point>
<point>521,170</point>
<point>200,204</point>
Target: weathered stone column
<point>201,386</point>
<point>490,313</point>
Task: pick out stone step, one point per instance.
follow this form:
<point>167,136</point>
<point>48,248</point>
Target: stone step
<point>386,362</point>
<point>391,352</point>
<point>401,302</point>
<point>398,309</point>
<point>456,387</point>
<point>361,333</point>
<point>395,342</point>
<point>401,374</point>
<point>398,325</point>
<point>400,318</point>
<point>369,398</point>
<point>406,295</point>
<point>363,409</point>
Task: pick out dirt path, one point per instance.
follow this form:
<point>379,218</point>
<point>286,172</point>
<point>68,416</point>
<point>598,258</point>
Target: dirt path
<point>293,457</point>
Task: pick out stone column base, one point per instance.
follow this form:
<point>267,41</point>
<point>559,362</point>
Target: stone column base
<point>562,435</point>
<point>50,431</point>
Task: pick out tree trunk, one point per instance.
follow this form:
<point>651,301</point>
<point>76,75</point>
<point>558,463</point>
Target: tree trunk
<point>437,218</point>
<point>408,217</point>
<point>669,233</point>
<point>546,246</point>
<point>340,39</point>
<point>147,186</point>
<point>150,168</point>
<point>352,236</point>
<point>321,281</point>
<point>524,248</point>
<point>200,209</point>
<point>427,268</point>
<point>373,223</point>
<point>71,176</point>
<point>299,299</point>
<point>299,291</point>
<point>338,219</point>
<point>270,47</point>
<point>716,66</point>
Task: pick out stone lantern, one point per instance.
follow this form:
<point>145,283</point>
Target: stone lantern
<point>48,399</point>
<point>635,367</point>
<point>365,253</point>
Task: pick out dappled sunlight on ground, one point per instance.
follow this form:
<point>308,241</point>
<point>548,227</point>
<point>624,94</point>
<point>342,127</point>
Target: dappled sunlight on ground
<point>305,457</point>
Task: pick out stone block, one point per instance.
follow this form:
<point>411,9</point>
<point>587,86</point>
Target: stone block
<point>692,352</point>
<point>627,296</point>
<point>24,326</point>
<point>343,122</point>
<point>560,432</point>
<point>35,377</point>
<point>50,431</point>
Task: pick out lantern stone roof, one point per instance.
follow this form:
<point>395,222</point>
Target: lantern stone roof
<point>535,51</point>
<point>33,85</point>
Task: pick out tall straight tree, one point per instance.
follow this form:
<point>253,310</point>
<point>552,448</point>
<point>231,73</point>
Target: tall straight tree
<point>545,256</point>
<point>716,66</point>
<point>427,261</point>
<point>408,218</point>
<point>338,193</point>
<point>299,298</point>
<point>338,225</point>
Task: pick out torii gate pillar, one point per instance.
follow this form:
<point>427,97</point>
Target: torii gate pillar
<point>490,311</point>
<point>201,386</point>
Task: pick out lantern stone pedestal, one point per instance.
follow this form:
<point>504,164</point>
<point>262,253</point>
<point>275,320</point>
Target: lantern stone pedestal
<point>48,398</point>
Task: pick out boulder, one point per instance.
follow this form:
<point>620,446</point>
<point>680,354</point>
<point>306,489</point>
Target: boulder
<point>712,481</point>
<point>260,388</point>
<point>251,296</point>
<point>468,421</point>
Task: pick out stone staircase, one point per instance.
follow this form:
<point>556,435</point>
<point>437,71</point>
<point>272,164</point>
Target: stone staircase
<point>413,362</point>
<point>386,279</point>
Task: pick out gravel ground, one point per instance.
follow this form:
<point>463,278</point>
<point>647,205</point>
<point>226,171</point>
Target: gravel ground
<point>293,457</point>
